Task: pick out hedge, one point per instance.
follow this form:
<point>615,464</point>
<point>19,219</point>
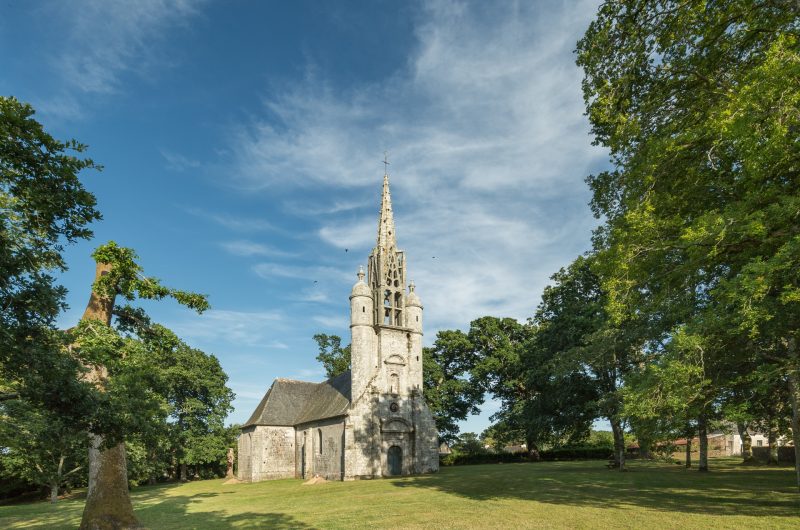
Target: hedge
<point>560,453</point>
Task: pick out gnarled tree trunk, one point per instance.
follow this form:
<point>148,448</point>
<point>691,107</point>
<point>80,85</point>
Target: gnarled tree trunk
<point>108,503</point>
<point>772,442</point>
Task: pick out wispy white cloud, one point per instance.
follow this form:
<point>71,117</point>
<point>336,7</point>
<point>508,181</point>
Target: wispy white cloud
<point>232,328</point>
<point>307,374</point>
<point>314,274</point>
<point>331,321</point>
<point>350,235</point>
<point>314,295</point>
<point>63,107</point>
<point>250,248</point>
<point>337,206</point>
<point>489,148</point>
<point>248,392</point>
<point>178,162</point>
<point>108,38</point>
<point>235,223</point>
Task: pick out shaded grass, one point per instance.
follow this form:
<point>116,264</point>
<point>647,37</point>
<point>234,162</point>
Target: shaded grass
<point>543,495</point>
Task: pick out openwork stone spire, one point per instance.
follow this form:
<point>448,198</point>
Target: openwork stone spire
<point>387,268</point>
<point>386,237</point>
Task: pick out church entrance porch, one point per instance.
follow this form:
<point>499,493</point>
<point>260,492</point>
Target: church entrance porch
<point>394,459</point>
<point>396,454</point>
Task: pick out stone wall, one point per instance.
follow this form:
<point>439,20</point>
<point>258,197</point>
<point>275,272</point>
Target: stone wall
<point>266,452</point>
<point>362,438</point>
<point>276,454</point>
<point>245,464</point>
<point>427,438</point>
<point>320,447</point>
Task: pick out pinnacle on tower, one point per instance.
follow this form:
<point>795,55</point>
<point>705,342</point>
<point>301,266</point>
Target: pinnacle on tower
<point>386,235</point>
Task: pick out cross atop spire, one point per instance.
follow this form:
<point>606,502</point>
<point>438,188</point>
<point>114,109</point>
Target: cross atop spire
<point>386,162</point>
<point>387,268</point>
<point>386,235</point>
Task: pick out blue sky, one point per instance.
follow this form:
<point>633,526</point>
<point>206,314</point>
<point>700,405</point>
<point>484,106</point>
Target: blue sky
<point>243,145</point>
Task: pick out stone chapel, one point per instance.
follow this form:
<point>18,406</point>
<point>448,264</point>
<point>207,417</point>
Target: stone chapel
<point>369,422</point>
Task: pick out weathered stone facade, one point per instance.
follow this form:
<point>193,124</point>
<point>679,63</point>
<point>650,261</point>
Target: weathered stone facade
<point>367,423</point>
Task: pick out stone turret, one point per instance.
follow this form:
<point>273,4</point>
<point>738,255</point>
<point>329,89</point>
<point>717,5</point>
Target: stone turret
<point>361,335</point>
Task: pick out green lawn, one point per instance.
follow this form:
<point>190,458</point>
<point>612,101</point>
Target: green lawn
<point>543,495</point>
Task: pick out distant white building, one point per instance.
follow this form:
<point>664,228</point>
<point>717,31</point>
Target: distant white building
<point>731,443</point>
<point>728,444</point>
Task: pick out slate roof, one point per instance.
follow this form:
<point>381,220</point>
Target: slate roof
<point>289,402</point>
<point>332,398</point>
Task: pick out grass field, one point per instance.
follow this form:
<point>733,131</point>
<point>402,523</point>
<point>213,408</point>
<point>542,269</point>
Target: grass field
<point>542,495</point>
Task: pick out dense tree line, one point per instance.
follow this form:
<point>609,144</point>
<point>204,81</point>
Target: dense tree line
<point>70,400</point>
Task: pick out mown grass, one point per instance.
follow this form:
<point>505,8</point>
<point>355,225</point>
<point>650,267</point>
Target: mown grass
<point>542,495</point>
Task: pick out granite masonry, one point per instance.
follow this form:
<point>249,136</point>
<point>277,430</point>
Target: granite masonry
<point>369,422</point>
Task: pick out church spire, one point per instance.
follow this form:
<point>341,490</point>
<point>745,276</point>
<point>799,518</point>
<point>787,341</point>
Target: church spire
<point>387,267</point>
<point>386,236</point>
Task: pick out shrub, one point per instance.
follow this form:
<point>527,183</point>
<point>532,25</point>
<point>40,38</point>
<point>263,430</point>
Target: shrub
<point>558,453</point>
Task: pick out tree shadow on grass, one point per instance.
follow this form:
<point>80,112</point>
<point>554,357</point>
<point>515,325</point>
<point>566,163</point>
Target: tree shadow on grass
<point>730,490</point>
<point>159,512</point>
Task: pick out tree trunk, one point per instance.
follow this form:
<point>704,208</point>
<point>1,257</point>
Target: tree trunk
<point>108,504</point>
<point>533,449</point>
<point>702,433</point>
<point>53,492</point>
<point>184,477</point>
<point>794,397</point>
<point>747,443</point>
<point>688,452</point>
<point>644,448</point>
<point>619,444</point>
<point>151,480</point>
<point>772,442</point>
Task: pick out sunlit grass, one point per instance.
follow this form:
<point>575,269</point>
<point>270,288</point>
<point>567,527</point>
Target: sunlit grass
<point>543,495</point>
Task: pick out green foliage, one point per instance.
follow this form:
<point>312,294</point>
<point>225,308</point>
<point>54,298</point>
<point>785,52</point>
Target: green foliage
<point>590,452</point>
<point>697,103</point>
<point>450,391</point>
<point>464,459</point>
<point>469,444</point>
<point>600,438</point>
<point>126,279</point>
<point>334,358</point>
<point>43,207</point>
<point>194,387</point>
<point>40,448</point>
<point>137,392</point>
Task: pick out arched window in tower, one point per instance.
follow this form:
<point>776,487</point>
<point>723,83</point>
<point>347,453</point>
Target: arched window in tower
<point>387,307</point>
<point>394,384</point>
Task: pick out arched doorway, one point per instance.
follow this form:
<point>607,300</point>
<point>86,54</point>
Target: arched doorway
<point>394,459</point>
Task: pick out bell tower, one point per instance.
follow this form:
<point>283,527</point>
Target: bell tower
<point>390,430</point>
